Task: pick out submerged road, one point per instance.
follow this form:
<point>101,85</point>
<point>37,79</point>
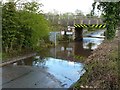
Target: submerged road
<point>27,77</point>
<point>21,76</point>
<point>96,34</point>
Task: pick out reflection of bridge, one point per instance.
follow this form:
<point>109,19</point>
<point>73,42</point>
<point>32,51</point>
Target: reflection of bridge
<point>69,50</point>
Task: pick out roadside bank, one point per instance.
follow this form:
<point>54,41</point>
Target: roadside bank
<point>102,67</point>
<point>17,58</point>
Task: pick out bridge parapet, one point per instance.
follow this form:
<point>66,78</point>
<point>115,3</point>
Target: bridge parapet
<point>98,26</point>
<point>88,21</point>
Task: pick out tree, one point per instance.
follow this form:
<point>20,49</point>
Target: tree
<point>33,7</point>
<point>79,12</point>
<point>111,14</point>
<point>9,25</point>
<point>22,28</point>
<point>88,15</point>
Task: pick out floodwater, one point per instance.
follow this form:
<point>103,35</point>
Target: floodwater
<point>67,72</point>
<point>64,61</point>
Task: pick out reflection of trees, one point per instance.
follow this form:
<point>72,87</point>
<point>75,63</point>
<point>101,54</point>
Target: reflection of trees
<point>27,61</point>
<point>39,62</point>
<point>90,45</point>
<point>44,52</point>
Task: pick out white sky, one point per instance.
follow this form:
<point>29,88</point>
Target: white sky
<point>67,5</point>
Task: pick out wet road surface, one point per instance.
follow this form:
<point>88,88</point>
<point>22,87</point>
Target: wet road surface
<point>27,77</point>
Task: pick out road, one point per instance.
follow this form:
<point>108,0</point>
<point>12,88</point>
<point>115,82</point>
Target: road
<point>27,77</point>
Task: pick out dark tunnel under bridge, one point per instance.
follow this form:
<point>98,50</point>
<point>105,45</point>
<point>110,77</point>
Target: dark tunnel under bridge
<point>79,29</point>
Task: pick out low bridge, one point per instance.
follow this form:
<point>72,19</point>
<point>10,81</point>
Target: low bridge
<point>78,29</point>
<point>77,26</point>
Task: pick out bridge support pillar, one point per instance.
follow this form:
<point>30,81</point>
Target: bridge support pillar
<point>78,34</point>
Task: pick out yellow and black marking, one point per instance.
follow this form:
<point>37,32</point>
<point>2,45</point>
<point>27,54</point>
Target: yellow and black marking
<point>98,26</point>
<point>81,25</point>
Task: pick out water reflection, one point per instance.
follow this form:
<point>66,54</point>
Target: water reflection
<point>66,72</point>
<point>92,43</point>
<point>68,51</point>
<point>60,61</point>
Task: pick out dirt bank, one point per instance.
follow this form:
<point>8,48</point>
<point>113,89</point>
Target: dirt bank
<point>102,67</point>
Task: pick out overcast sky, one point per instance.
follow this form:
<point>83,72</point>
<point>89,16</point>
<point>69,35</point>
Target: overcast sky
<point>67,5</point>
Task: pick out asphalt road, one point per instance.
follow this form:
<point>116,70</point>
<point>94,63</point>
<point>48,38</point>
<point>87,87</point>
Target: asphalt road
<point>28,77</point>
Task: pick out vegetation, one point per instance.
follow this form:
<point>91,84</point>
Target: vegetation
<point>80,58</point>
<point>101,74</point>
<point>23,28</point>
<point>111,14</point>
<point>102,69</point>
<point>60,21</point>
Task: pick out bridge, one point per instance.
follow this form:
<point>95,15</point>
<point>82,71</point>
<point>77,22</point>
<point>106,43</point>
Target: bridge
<point>77,25</point>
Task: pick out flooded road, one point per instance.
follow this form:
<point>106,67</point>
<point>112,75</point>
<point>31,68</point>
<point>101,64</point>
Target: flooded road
<point>67,72</point>
<point>54,67</point>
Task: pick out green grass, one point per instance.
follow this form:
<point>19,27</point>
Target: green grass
<point>80,58</point>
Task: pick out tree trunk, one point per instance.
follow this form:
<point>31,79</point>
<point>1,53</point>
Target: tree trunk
<point>6,49</point>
